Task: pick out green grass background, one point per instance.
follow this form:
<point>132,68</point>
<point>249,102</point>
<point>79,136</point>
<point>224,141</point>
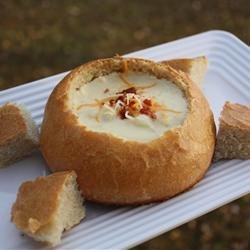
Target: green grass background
<point>41,38</point>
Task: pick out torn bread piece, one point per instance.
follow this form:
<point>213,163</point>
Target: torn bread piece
<point>196,68</point>
<point>47,206</point>
<point>233,139</point>
<point>18,133</point>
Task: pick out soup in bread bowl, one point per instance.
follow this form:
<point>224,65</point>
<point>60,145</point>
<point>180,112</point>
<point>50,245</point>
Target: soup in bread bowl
<point>135,131</point>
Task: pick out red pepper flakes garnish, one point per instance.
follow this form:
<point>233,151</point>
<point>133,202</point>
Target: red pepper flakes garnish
<point>122,113</point>
<point>153,115</point>
<point>132,103</point>
<point>112,102</point>
<point>148,112</point>
<point>121,98</point>
<point>148,102</point>
<point>132,108</point>
<point>131,90</point>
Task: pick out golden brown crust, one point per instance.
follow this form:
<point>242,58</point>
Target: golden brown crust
<point>184,64</point>
<point>236,115</point>
<point>114,171</point>
<point>37,202</point>
<point>12,123</point>
<point>233,138</point>
<point>195,67</point>
<point>179,64</point>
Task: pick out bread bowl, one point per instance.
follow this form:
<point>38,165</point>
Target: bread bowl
<point>135,167</point>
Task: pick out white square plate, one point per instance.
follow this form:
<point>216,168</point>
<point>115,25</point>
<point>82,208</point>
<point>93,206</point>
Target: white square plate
<point>120,228</point>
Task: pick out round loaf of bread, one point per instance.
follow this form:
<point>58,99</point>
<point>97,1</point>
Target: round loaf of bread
<point>135,131</point>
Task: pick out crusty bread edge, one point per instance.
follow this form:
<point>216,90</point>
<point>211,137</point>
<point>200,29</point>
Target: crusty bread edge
<point>31,136</point>
<point>195,67</point>
<point>47,229</point>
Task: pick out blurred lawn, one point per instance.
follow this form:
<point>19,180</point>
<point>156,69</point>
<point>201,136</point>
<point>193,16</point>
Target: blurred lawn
<point>41,38</point>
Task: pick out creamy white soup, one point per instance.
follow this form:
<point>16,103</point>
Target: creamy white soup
<point>133,106</point>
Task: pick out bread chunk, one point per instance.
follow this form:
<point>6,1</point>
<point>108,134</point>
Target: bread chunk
<point>47,206</point>
<point>233,139</point>
<point>195,68</point>
<point>18,133</point>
